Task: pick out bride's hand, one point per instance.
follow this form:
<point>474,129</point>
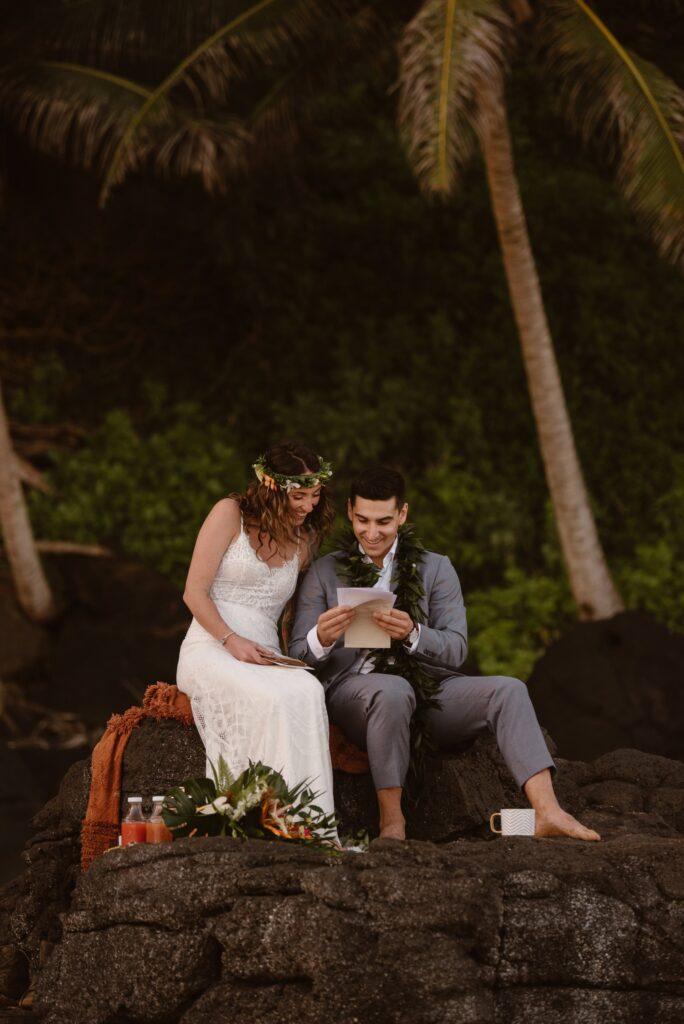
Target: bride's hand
<point>247,650</point>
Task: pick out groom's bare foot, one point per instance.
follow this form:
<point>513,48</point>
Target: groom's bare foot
<point>551,819</point>
<point>393,830</point>
<point>560,823</point>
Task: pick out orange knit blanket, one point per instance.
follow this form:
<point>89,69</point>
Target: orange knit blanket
<point>100,828</point>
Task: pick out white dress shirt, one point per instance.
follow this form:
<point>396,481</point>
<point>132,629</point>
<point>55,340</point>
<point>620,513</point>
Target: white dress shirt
<point>364,663</point>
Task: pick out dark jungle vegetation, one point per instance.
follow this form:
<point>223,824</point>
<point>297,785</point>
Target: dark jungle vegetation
<point>150,351</point>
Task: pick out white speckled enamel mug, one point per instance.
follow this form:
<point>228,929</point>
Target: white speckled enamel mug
<point>515,821</point>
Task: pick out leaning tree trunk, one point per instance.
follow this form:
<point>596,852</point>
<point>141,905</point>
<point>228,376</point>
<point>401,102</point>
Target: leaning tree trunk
<point>590,580</point>
<point>33,591</point>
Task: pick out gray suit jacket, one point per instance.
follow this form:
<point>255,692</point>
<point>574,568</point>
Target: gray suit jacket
<point>443,643</point>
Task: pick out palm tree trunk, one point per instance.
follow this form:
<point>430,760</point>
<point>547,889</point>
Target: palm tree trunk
<point>33,590</point>
<point>590,580</point>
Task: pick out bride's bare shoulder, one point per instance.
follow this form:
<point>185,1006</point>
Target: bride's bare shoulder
<point>225,516</point>
<point>226,508</point>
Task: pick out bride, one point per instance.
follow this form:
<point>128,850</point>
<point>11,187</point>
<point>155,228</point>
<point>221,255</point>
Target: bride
<point>248,554</point>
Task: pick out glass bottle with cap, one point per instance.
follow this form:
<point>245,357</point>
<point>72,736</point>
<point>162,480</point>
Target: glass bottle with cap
<point>157,832</point>
<point>134,826</point>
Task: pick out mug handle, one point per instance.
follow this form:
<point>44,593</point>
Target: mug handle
<point>497,814</point>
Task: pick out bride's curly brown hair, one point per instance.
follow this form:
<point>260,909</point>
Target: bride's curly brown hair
<point>269,510</point>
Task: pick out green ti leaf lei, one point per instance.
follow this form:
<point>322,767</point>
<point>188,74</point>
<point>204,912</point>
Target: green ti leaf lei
<point>359,572</point>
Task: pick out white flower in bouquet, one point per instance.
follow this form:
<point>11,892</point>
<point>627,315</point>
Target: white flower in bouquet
<point>220,805</point>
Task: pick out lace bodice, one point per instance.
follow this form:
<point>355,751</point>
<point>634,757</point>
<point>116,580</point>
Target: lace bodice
<point>242,578</point>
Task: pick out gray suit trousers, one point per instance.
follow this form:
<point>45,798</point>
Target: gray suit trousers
<point>374,711</point>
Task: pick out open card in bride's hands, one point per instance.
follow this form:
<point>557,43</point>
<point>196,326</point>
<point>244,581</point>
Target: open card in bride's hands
<point>282,661</point>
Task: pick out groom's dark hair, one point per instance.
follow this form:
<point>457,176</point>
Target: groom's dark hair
<point>378,483</point>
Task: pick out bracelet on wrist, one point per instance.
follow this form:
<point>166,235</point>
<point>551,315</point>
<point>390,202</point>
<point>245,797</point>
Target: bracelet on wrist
<point>228,635</point>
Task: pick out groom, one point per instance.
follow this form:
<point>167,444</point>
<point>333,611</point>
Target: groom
<point>373,708</point>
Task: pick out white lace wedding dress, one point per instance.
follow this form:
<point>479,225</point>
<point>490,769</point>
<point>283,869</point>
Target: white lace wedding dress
<point>256,712</point>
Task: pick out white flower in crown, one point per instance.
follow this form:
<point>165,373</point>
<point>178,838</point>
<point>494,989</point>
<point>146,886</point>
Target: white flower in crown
<point>258,471</point>
<point>291,485</point>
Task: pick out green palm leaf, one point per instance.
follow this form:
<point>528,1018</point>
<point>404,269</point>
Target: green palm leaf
<point>79,114</point>
<point>99,118</point>
<point>449,50</point>
<point>256,29</point>
<point>629,106</point>
<point>68,111</point>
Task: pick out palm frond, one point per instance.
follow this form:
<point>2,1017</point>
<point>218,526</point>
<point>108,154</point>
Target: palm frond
<point>298,30</point>
<point>629,107</point>
<point>78,114</point>
<point>75,114</point>
<point>447,52</point>
<point>259,27</point>
<point>212,151</point>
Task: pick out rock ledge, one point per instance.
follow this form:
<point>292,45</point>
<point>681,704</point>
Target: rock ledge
<point>470,932</point>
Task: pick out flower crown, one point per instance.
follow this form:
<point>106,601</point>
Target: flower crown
<point>290,482</point>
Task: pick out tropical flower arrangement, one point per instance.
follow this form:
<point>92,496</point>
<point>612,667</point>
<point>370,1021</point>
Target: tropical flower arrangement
<point>258,804</point>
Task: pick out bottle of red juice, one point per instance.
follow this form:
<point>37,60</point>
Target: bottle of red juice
<point>157,832</point>
<point>134,826</point>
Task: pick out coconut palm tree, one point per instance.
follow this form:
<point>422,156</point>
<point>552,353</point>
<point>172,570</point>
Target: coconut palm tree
<point>453,62</point>
<point>454,56</point>
<point>33,591</point>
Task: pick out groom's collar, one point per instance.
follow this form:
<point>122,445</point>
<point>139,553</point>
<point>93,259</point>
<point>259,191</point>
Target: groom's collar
<point>387,560</point>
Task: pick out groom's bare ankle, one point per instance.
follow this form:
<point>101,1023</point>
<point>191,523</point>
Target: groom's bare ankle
<point>393,830</point>
<point>392,822</point>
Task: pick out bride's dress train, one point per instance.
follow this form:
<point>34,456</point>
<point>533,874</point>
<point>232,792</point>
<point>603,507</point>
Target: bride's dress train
<point>254,712</point>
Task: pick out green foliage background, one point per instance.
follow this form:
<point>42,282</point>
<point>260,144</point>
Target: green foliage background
<point>331,301</point>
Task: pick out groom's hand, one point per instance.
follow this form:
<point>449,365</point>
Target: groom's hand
<point>397,624</point>
<point>332,624</point>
